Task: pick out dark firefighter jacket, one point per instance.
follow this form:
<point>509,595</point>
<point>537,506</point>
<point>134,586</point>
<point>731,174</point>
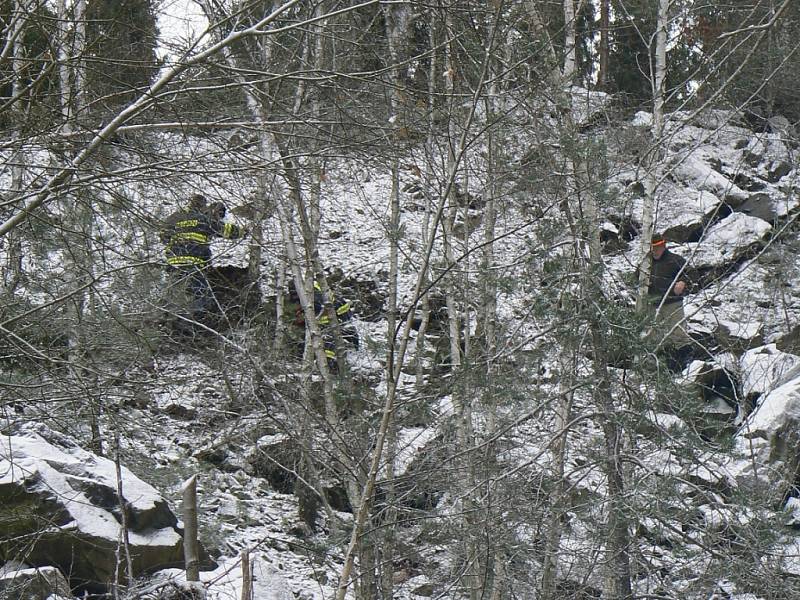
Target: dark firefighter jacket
<point>663,274</point>
<point>342,308</point>
<point>187,235</point>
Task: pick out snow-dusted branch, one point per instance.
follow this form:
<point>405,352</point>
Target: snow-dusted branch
<point>763,27</point>
<point>62,177</point>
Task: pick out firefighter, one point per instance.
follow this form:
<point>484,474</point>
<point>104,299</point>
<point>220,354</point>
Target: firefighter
<point>187,235</point>
<point>343,315</point>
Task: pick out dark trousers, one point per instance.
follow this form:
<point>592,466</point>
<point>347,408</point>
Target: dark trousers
<point>198,291</point>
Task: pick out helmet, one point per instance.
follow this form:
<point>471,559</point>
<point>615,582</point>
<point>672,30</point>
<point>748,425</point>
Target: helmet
<point>197,201</point>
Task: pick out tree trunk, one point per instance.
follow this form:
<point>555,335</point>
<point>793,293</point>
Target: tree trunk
<point>603,47</point>
<point>12,271</point>
<point>653,157</point>
<point>427,178</point>
<point>191,551</point>
<point>618,578</point>
<point>570,43</point>
<point>557,504</point>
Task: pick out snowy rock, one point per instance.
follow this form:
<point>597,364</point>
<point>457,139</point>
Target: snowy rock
<point>60,506</point>
<point>765,368</point>
<point>789,341</point>
<point>761,206</point>
<point>777,415</point>
<point>726,241</point>
<point>770,207</point>
<point>778,170</point>
<point>270,584</point>
<point>34,584</point>
<point>776,420</point>
<point>709,119</point>
<point>696,172</point>
<point>715,382</point>
<point>588,106</point>
<point>792,563</point>
<point>684,212</point>
<point>739,336</point>
<point>642,119</point>
<point>781,125</point>
<point>277,459</point>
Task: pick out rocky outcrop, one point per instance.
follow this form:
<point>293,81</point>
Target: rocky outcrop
<point>771,434</point>
<point>738,337</point>
<point>685,212</point>
<point>45,583</point>
<point>766,368</point>
<point>727,241</point>
<point>59,506</point>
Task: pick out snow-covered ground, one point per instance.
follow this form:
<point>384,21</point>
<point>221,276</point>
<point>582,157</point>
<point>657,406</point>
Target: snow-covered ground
<point>191,422</point>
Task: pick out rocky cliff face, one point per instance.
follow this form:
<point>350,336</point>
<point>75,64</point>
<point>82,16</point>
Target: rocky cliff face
<point>729,207</point>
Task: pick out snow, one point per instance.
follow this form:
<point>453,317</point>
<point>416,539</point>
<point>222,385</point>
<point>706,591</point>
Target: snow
<point>791,554</point>
<point>765,368</point>
<point>746,330</point>
<point>724,241</point>
<point>778,406</point>
<point>225,583</point>
<point>410,441</point>
<point>29,456</point>
<point>246,514</point>
<point>685,206</point>
<point>699,175</point>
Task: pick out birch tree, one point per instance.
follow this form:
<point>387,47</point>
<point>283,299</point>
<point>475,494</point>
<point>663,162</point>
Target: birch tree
<point>653,157</point>
<point>13,270</point>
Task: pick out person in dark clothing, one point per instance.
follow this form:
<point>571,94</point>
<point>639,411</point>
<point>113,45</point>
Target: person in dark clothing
<point>187,235</point>
<point>667,288</point>
<point>343,315</point>
<point>666,273</point>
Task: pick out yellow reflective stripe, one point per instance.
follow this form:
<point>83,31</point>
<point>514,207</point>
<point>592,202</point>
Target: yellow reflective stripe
<point>176,261</point>
<point>227,230</point>
<point>190,236</point>
<point>344,308</point>
<point>330,353</point>
<point>187,223</point>
<point>323,320</point>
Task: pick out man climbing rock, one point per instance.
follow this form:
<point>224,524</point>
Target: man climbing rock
<point>187,235</point>
<point>667,288</point>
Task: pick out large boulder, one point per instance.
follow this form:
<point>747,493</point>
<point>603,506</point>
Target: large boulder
<point>699,172</point>
<point>45,583</point>
<point>777,418</point>
<point>738,336</point>
<point>59,506</point>
<point>770,207</point>
<point>684,213</point>
<point>766,368</point>
<point>716,383</point>
<point>771,436</point>
<point>728,240</point>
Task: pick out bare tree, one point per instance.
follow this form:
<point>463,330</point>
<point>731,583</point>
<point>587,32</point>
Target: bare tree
<point>655,152</point>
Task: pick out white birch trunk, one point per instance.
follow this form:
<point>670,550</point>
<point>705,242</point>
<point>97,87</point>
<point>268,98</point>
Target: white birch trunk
<point>570,48</point>
<point>12,271</point>
<point>653,158</point>
<point>397,24</point>
<point>433,75</point>
<point>191,548</point>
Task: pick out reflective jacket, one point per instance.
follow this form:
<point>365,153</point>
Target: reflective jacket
<point>342,307</point>
<point>188,233</point>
